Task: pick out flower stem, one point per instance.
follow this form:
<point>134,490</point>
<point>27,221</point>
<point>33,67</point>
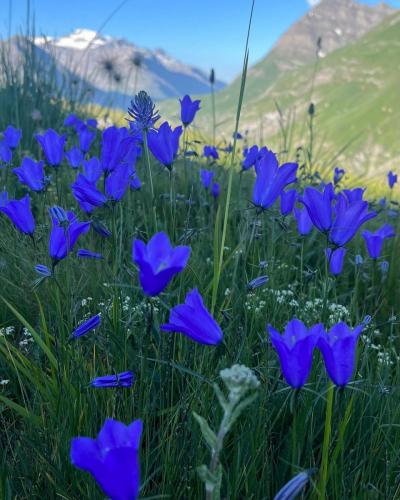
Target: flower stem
<point>325,447</point>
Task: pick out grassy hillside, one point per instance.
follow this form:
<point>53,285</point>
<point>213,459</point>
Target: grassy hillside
<point>355,92</point>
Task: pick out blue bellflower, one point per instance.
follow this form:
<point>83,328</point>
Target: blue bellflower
<point>31,174</point>
<point>304,223</point>
<point>86,137</point>
<point>288,199</point>
<point>74,157</point>
<point>20,214</point>
<point>338,175</point>
<point>117,182</point>
<point>335,259</point>
<point>124,379</point>
<point>53,146</point>
<point>88,254</point>
<point>338,348</point>
<point>295,349</point>
<point>5,152</point>
<point>64,236</point>
<point>193,320</point>
<point>210,152</point>
<point>206,177</point>
<point>112,459</point>
<point>92,169</point>
<point>158,262</point>
<point>319,206</point>
<point>164,143</point>
<point>250,157</point>
<point>87,194</point>
<point>392,179</point>
<point>136,183</point>
<point>271,180</point>
<point>215,190</point>
<point>87,326</point>
<point>117,147</point>
<point>189,109</point>
<point>374,241</point>
<point>12,136</point>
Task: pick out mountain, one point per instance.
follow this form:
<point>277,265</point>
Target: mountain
<point>355,88</point>
<point>112,69</point>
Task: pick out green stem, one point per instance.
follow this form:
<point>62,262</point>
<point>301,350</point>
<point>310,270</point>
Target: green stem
<point>325,447</point>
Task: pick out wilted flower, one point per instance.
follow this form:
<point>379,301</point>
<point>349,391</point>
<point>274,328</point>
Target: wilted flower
<point>43,270</point>
<point>193,320</point>
<point>338,348</point>
<point>295,349</point>
<point>87,326</point>
<point>158,262</point>
<point>124,379</point>
<point>74,157</point>
<point>87,254</point>
<point>335,259</point>
<point>31,174</point>
<point>52,145</point>
<point>164,143</point>
<point>392,179</point>
<point>288,199</point>
<point>143,111</point>
<point>374,241</point>
<point>271,179</point>
<point>189,109</point>
<point>257,282</point>
<point>64,236</point>
<point>206,177</point>
<point>19,212</point>
<point>112,458</point>
<point>210,152</point>
<point>292,489</point>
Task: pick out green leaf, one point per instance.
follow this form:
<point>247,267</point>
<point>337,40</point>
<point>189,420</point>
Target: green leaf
<point>240,407</point>
<point>221,398</point>
<point>206,431</point>
<point>23,412</point>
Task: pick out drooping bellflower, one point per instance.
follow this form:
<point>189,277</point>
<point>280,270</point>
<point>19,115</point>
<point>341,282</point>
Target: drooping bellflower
<point>87,326</point>
<point>335,259</point>
<point>64,236</point>
<point>193,320</point>
<point>87,194</point>
<point>31,174</point>
<point>250,157</point>
<point>189,109</point>
<point>112,458</point>
<point>20,214</point>
<point>271,180</point>
<point>392,179</point>
<point>295,349</point>
<point>164,143</point>
<point>210,152</point>
<point>124,379</point>
<point>288,199</point>
<point>338,348</point>
<point>374,241</point>
<point>158,262</point>
<point>53,146</point>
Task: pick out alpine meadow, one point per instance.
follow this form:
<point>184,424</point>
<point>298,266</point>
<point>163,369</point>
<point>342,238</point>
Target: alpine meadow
<point>199,280</point>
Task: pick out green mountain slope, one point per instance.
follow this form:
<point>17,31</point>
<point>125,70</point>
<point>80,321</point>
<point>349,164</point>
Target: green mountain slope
<point>356,93</point>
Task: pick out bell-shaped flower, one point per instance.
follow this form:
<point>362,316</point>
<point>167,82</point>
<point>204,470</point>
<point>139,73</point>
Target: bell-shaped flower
<point>164,143</point>
<point>338,348</point>
<point>63,236</point>
<point>124,379</point>
<point>215,190</point>
<point>374,241</point>
<point>295,349</point>
<point>117,182</point>
<point>206,176</point>
<point>335,259</point>
<point>304,223</point>
<point>319,206</point>
<point>86,137</point>
<point>118,147</point>
<point>158,262</point>
<point>74,157</point>
<point>271,179</point>
<point>338,175</point>
<point>392,179</point>
<point>5,152</point>
<point>136,183</point>
<point>288,199</point>
<point>19,212</point>
<point>349,217</point>
<point>92,169</point>
<point>194,320</point>
<point>112,458</point>
<point>189,109</point>
<point>250,157</point>
<point>12,136</point>
<point>31,174</point>
<point>355,194</point>
<point>210,152</point>
<point>52,145</point>
<point>87,194</point>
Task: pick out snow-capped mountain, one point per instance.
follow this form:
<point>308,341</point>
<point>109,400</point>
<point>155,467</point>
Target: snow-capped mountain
<point>111,70</point>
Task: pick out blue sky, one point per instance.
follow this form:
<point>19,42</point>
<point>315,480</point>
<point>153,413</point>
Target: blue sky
<point>205,33</point>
